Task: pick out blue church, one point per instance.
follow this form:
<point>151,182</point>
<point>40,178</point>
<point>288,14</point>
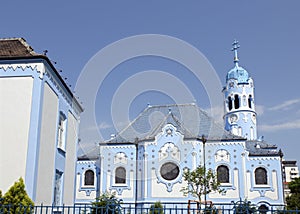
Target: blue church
<point>145,163</point>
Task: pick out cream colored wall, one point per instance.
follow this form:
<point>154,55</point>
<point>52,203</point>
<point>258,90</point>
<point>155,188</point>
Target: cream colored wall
<point>81,195</point>
<point>159,190</point>
<point>45,178</point>
<point>15,108</point>
<point>70,167</point>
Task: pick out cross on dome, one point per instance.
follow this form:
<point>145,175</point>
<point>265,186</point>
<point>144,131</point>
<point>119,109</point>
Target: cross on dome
<point>235,45</point>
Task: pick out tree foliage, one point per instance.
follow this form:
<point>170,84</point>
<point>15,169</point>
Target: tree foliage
<point>156,208</point>
<point>200,182</point>
<point>107,203</point>
<point>293,201</point>
<point>16,200</point>
<point>244,207</point>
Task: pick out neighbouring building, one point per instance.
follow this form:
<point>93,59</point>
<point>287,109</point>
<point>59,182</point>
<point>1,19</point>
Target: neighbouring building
<point>145,161</point>
<point>38,126</point>
<point>290,172</point>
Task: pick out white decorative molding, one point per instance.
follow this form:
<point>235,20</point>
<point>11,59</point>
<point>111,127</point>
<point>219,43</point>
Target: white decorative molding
<point>222,155</point>
<point>169,150</point>
<point>40,67</point>
<point>120,157</point>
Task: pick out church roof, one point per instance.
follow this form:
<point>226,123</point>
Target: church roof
<point>15,47</point>
<point>261,148</point>
<point>91,154</point>
<point>189,119</point>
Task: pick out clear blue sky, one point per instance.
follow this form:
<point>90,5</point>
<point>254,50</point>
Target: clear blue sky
<point>268,32</point>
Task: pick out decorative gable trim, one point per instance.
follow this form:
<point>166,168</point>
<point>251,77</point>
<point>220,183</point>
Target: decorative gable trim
<point>40,67</point>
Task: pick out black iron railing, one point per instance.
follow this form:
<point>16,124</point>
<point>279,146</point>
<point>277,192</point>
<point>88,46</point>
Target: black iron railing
<point>146,208</point>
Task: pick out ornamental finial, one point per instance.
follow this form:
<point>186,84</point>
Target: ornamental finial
<point>235,45</point>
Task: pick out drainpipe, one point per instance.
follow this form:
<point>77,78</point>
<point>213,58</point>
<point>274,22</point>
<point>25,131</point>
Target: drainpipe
<point>136,173</point>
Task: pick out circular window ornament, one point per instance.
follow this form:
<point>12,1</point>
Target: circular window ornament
<point>169,171</point>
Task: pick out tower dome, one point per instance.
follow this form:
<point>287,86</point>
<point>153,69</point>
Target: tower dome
<point>238,73</point>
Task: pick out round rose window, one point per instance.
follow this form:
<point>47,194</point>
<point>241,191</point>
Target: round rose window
<point>169,171</point>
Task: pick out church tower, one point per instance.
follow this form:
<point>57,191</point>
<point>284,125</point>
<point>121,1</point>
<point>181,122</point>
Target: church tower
<point>240,115</point>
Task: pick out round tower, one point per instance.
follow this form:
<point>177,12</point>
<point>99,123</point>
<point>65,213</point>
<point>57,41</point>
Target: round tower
<point>240,115</point>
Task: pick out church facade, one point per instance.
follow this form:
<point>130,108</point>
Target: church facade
<point>145,162</point>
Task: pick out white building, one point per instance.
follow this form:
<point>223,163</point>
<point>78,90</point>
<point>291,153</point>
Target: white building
<point>39,120</point>
<point>290,172</point>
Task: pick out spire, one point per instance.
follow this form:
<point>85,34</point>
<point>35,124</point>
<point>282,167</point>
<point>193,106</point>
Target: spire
<point>235,45</point>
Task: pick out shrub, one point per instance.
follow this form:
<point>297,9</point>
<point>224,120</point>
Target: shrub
<point>244,207</point>
<point>16,200</point>
<point>156,208</point>
<point>107,203</point>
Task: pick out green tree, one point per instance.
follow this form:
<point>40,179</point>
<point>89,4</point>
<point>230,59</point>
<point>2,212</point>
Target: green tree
<point>16,200</point>
<point>293,201</point>
<point>107,203</point>
<point>245,206</point>
<point>156,208</point>
<point>200,182</point>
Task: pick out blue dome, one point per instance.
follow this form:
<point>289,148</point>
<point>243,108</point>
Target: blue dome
<point>238,73</point>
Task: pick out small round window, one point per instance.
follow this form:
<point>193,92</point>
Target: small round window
<point>169,171</point>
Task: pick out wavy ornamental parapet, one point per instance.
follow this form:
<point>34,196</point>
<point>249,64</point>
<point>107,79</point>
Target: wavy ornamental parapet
<point>40,67</point>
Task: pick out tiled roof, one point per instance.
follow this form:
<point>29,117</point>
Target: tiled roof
<point>15,47</point>
<point>91,154</point>
<point>261,148</point>
<point>189,119</point>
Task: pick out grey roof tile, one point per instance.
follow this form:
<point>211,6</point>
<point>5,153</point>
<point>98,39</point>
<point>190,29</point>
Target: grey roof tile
<point>189,119</point>
<point>261,148</point>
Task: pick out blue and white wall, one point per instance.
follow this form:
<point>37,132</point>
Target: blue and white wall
<point>33,97</point>
<point>87,181</point>
<point>161,163</point>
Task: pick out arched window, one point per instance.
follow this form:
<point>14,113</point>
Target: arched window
<point>261,176</point>
<point>229,103</point>
<point>120,176</point>
<point>250,101</point>
<point>223,174</point>
<point>236,101</point>
<point>89,177</point>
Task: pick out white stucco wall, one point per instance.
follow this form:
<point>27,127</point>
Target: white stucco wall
<point>46,172</point>
<point>15,108</point>
<point>70,159</point>
<point>159,190</point>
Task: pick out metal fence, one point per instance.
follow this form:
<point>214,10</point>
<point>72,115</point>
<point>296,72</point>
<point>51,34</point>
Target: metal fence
<point>149,208</point>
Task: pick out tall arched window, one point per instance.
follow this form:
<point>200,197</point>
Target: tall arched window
<point>229,103</point>
<point>261,176</point>
<point>250,101</point>
<point>61,131</point>
<point>89,176</point>
<point>223,174</point>
<point>236,101</point>
<point>120,175</point>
